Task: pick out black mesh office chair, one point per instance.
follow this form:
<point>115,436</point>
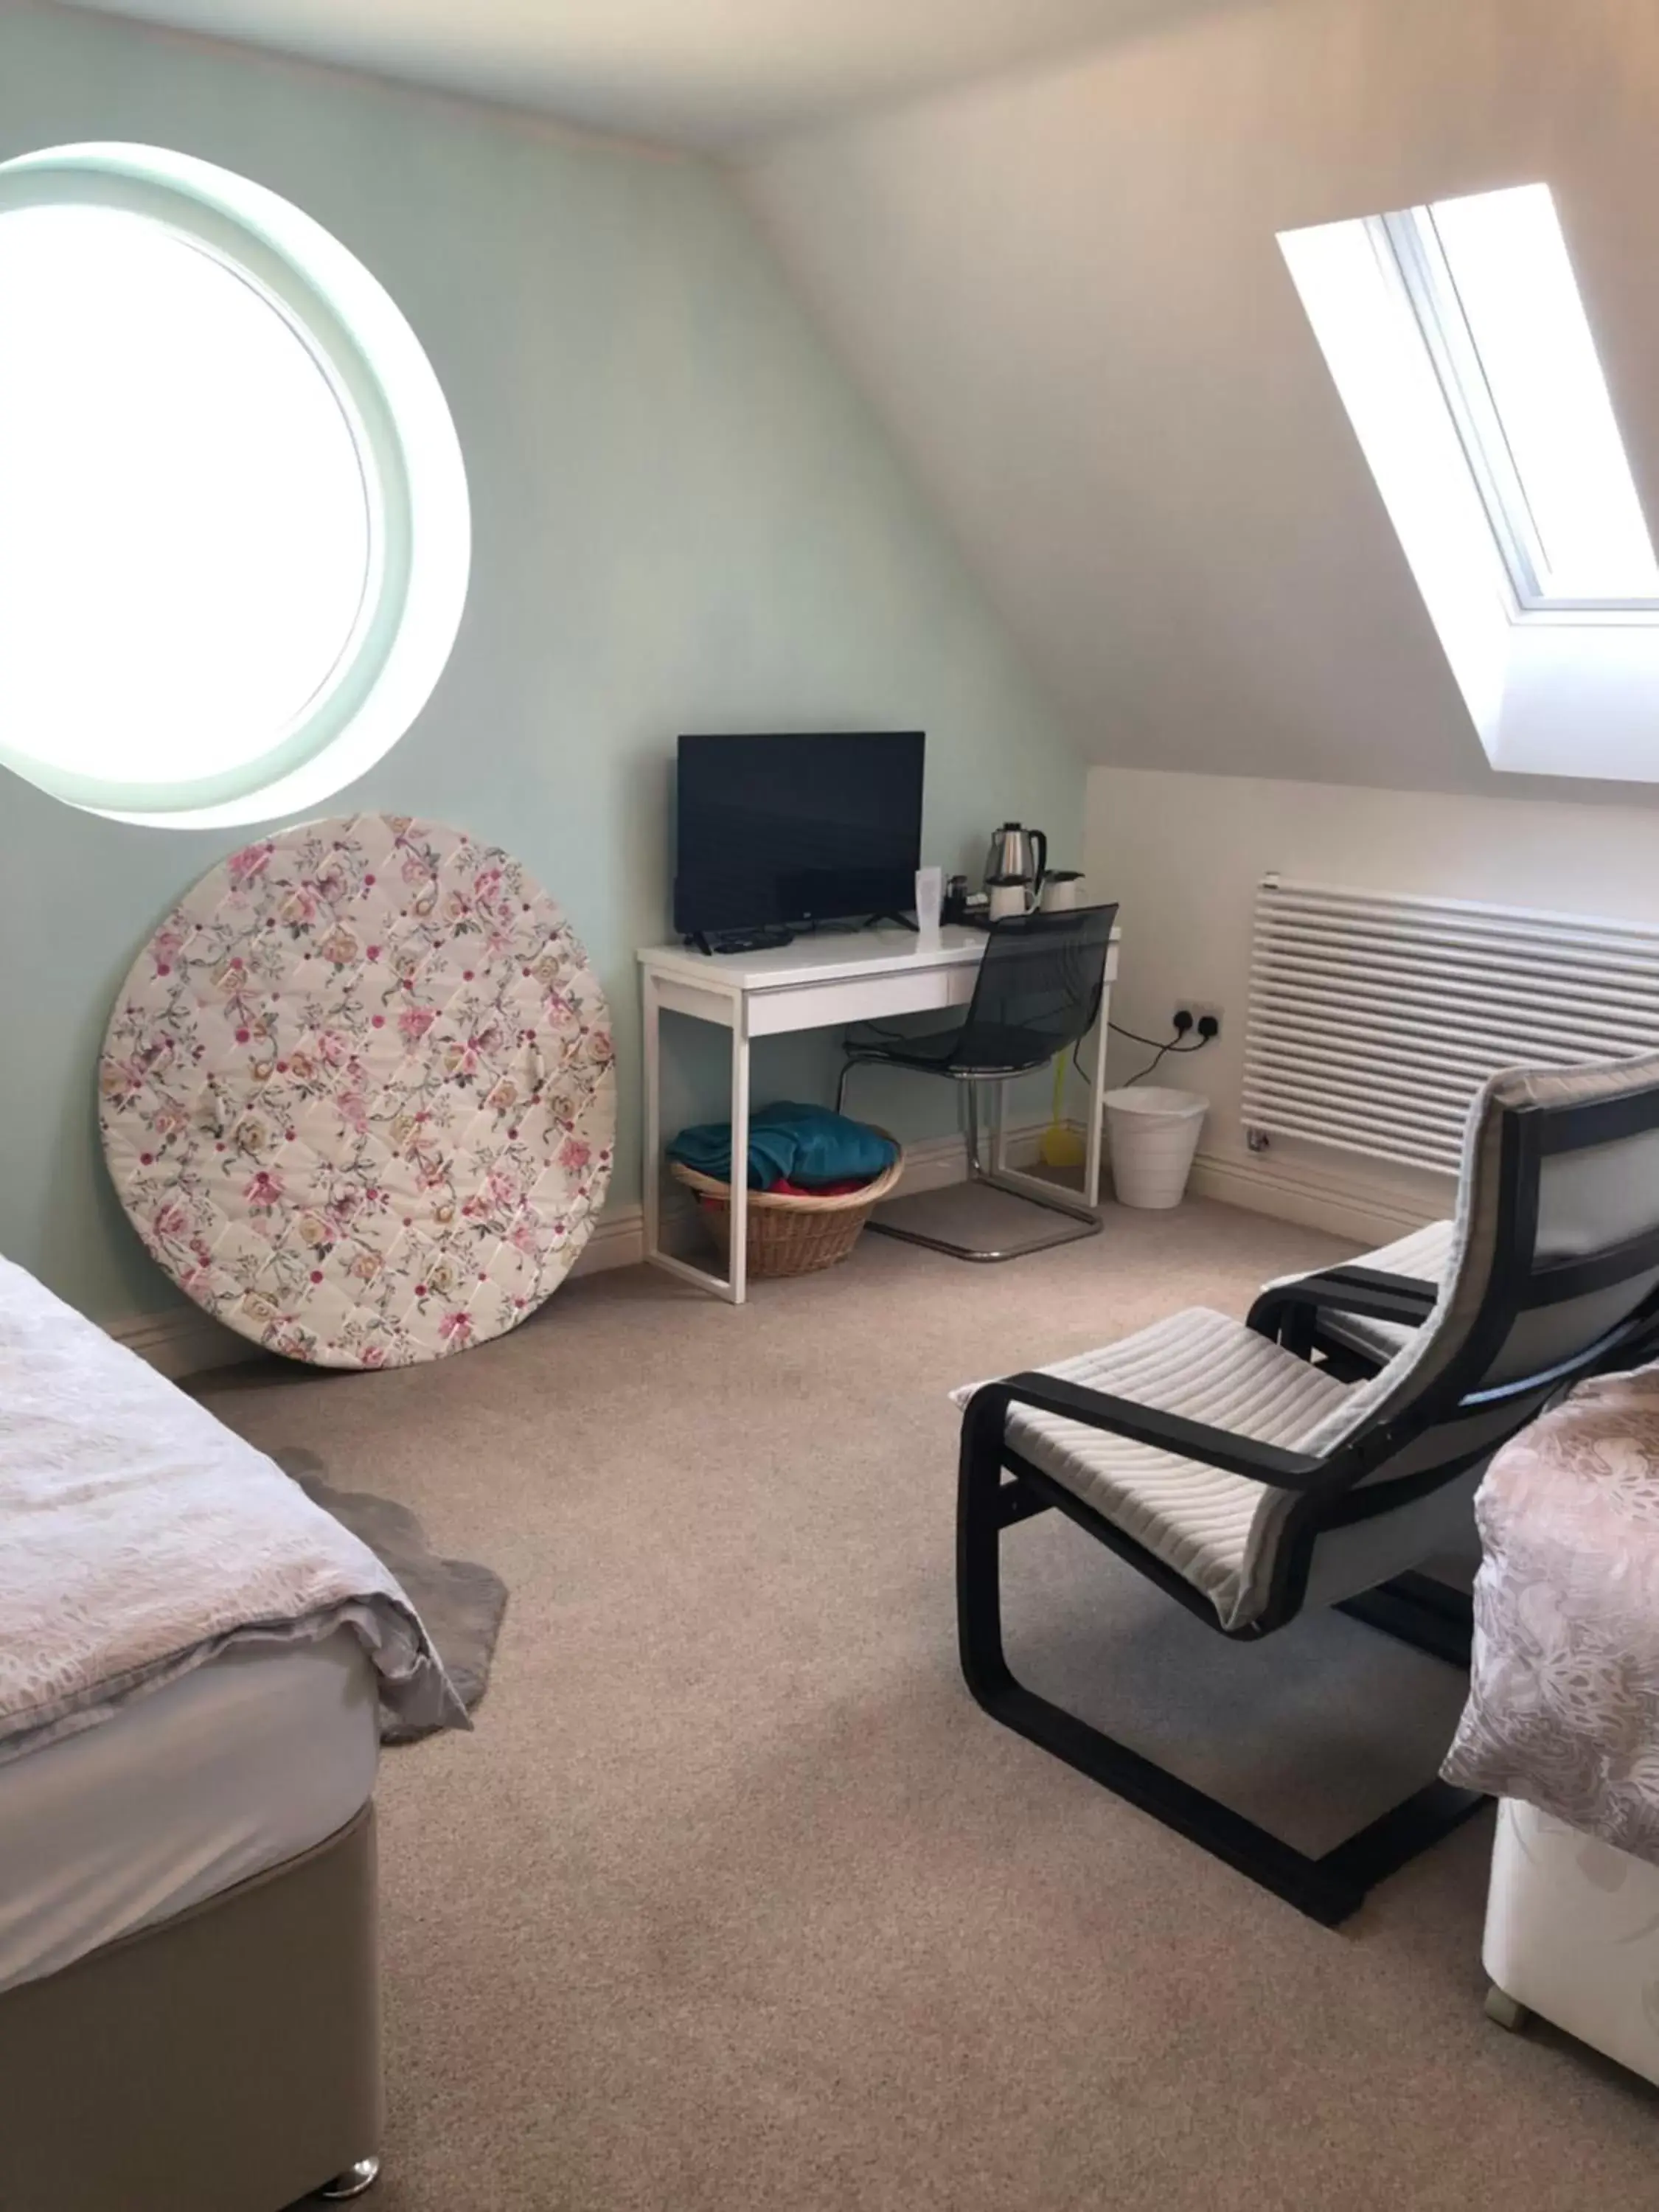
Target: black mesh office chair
<point>1036,995</point>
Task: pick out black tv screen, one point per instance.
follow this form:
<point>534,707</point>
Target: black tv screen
<point>796,829</point>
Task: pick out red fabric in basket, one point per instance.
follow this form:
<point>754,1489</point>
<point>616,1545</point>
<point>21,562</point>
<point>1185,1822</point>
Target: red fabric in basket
<point>784,1189</point>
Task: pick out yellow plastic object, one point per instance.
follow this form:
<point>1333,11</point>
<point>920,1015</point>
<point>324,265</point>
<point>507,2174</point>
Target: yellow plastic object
<point>1061,1147</point>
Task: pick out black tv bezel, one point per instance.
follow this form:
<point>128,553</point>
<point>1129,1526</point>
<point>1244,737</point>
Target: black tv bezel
<point>691,929</point>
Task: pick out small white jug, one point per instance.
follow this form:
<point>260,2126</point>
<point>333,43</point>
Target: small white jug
<point>1062,890</point>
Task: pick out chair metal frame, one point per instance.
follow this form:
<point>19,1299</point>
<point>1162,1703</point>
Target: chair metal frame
<point>1329,1493</point>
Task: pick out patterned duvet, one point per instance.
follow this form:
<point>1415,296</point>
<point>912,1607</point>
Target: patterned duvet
<point>1563,1703</point>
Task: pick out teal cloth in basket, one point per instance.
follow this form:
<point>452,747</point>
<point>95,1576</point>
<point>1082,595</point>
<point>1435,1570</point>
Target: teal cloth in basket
<point>804,1145</point>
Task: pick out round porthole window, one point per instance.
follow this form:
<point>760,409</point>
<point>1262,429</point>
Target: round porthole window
<point>235,536</point>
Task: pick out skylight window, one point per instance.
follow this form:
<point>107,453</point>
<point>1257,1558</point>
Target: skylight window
<point>1492,284</point>
<point>1458,343</point>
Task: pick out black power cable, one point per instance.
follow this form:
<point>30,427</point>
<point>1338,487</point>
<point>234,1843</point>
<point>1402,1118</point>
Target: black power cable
<point>1177,1050</point>
<point>1158,1050</point>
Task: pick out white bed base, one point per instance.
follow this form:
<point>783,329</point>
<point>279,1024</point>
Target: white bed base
<point>1573,1935</point>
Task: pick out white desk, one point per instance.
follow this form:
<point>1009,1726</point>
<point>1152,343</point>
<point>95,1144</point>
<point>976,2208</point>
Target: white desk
<point>818,982</point>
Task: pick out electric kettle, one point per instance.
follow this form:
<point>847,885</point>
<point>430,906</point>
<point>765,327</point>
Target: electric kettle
<point>1020,853</point>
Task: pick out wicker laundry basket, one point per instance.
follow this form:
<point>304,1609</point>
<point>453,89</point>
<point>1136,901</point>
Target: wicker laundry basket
<point>787,1235</point>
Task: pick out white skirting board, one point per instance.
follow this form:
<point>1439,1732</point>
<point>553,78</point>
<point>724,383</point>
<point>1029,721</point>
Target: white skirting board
<point>184,1341</point>
<point>1345,1205</point>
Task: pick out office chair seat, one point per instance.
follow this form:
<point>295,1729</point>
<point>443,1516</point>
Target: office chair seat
<point>990,1050</point>
<point>1036,997</point>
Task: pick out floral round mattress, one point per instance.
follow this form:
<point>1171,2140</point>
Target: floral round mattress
<point>358,1092</point>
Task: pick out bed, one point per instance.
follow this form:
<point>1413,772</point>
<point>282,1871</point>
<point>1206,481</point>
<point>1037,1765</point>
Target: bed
<point>1572,1935</point>
<point>1562,1724</point>
<point>189,2006</point>
<point>190,2017</point>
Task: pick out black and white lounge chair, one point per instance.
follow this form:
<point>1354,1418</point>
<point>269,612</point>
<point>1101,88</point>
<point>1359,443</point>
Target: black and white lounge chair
<point>1252,1485</point>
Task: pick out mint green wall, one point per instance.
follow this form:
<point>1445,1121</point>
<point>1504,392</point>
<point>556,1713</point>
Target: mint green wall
<point>684,517</point>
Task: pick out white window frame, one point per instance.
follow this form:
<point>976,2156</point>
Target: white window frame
<point>1552,692</point>
<point>1411,239</point>
<point>414,478</point>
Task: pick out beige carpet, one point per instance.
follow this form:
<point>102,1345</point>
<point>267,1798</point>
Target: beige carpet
<point>735,1902</point>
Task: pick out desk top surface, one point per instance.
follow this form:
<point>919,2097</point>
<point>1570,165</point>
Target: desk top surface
<point>825,957</point>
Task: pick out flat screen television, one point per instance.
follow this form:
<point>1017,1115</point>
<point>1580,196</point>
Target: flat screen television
<point>779,831</point>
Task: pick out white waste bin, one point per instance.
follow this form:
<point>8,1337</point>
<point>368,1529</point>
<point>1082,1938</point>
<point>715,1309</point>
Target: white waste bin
<point>1153,1134</point>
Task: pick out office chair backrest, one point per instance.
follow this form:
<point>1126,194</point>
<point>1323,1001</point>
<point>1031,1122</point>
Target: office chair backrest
<point>1555,1266</point>
<point>1038,988</point>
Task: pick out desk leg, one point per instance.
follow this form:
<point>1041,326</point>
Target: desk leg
<point>736,1268</point>
<point>731,1285</point>
<point>651,1163</point>
<point>1096,1098</point>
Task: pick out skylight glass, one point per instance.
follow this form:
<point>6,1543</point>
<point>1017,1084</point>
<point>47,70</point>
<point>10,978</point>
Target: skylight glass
<point>1493,288</point>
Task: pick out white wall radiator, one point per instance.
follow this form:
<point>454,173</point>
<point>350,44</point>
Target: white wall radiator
<point>1373,1020</point>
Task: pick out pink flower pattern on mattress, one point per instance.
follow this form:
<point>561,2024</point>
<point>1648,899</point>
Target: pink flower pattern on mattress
<point>358,1094</point>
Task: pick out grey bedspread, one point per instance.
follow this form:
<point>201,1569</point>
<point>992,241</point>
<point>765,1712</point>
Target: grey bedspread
<point>139,1537</point>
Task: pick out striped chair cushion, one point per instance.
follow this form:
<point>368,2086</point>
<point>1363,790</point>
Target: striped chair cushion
<point>1425,1253</point>
<point>1197,1519</point>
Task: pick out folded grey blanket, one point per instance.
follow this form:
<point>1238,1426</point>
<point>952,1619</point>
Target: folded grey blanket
<point>139,1537</point>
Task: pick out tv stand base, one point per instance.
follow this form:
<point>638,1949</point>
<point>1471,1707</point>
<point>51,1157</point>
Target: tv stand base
<point>739,940</point>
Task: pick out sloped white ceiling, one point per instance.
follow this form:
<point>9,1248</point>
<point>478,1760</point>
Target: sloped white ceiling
<point>708,73</point>
<point>1066,295</point>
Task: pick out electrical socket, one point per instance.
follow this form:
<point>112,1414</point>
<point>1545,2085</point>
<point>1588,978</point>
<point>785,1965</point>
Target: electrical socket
<point>1192,1011</point>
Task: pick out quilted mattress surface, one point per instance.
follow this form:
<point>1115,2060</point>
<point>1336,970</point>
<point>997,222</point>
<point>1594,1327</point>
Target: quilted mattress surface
<point>357,1093</point>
